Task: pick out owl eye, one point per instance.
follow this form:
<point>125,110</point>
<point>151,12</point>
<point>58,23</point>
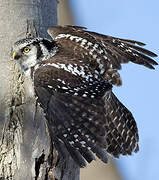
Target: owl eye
<point>26,50</point>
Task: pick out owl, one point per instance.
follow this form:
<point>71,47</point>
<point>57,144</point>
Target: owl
<point>73,75</point>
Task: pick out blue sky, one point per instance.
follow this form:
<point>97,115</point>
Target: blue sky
<point>139,20</point>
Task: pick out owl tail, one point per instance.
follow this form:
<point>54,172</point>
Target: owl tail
<point>122,133</point>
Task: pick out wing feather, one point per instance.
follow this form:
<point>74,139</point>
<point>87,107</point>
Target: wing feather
<point>122,132</point>
<point>76,121</point>
<point>121,50</point>
<point>81,111</point>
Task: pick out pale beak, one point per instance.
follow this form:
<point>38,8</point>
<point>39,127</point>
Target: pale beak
<point>14,54</point>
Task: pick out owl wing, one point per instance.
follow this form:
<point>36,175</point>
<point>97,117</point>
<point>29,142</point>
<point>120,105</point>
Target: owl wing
<point>74,107</point>
<point>122,133</point>
<point>110,50</point>
<point>82,112</point>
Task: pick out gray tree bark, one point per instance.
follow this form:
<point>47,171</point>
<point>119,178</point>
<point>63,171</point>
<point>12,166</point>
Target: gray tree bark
<point>25,148</point>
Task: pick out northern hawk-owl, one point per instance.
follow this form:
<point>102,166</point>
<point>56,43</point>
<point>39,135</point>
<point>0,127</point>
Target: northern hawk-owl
<point>73,75</point>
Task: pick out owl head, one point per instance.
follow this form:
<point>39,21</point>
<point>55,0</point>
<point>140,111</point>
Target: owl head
<point>30,52</point>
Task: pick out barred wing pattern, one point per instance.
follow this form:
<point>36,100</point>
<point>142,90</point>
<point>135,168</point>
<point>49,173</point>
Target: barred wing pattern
<point>121,128</point>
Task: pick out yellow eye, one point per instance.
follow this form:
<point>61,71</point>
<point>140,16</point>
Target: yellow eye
<point>26,50</point>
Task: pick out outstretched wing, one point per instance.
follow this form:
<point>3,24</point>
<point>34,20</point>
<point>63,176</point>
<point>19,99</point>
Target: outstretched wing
<point>73,106</point>
<point>109,52</point>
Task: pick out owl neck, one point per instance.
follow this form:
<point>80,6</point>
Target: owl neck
<point>48,49</point>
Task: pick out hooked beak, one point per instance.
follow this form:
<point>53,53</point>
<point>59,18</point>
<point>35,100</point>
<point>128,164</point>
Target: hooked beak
<point>14,55</point>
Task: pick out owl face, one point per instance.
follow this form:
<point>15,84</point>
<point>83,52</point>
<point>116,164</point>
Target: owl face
<point>30,52</point>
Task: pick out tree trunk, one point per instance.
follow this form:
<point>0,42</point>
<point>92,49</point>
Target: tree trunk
<point>25,148</point>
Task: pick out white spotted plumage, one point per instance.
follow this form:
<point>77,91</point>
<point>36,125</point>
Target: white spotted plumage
<point>94,49</point>
<point>73,75</point>
<point>74,69</point>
